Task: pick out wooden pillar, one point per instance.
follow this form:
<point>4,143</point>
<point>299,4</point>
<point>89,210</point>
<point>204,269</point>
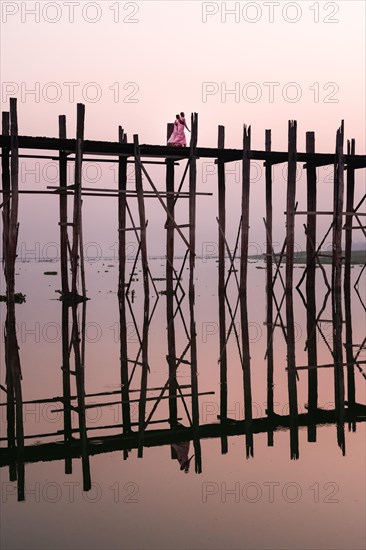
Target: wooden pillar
<point>310,286</point>
<point>5,180</point>
<point>145,273</point>
<point>351,388</point>
<point>77,251</point>
<point>269,287</point>
<point>192,259</point>
<point>5,165</point>
<point>122,202</point>
<point>243,291</point>
<point>13,349</point>
<point>63,208</point>
<point>172,360</point>
<point>349,218</point>
<point>245,210</point>
<point>221,284</point>
<point>290,239</point>
<point>10,240</point>
<point>192,203</point>
<point>13,215</point>
<point>338,210</point>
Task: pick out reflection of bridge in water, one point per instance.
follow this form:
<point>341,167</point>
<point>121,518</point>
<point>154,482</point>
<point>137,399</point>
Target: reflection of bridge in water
<point>183,400</point>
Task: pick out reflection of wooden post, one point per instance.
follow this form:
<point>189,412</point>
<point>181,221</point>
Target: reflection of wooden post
<point>351,389</point>
<point>66,382</point>
<point>145,273</point>
<point>243,291</point>
<point>269,287</point>
<point>173,416</point>
<point>338,367</point>
<point>80,388</point>
<point>290,239</point>
<point>310,287</point>
<point>221,289</point>
<point>122,199</point>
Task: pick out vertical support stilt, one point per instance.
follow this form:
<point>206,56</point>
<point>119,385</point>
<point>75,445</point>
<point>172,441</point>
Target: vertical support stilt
<point>310,286</point>
<point>14,375</point>
<point>172,360</point>
<point>10,404</point>
<point>290,240</point>
<point>11,325</point>
<point>338,210</point>
<point>243,291</point>
<point>145,273</point>
<point>122,200</point>
<point>5,181</point>
<point>192,260</point>
<point>269,287</point>
<point>77,249</point>
<point>351,388</point>
<point>63,208</point>
<point>349,218</point>
<point>221,286</point>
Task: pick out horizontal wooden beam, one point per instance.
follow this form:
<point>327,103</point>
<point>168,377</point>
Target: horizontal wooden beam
<point>163,151</point>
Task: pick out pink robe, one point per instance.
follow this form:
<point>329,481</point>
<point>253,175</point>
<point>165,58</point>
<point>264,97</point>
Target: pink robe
<point>178,137</point>
<point>173,137</point>
<point>181,137</point>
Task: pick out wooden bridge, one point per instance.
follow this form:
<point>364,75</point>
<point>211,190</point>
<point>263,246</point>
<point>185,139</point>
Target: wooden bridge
<point>279,313</point>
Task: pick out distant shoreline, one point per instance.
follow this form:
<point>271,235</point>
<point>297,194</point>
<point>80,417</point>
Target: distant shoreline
<point>358,257</point>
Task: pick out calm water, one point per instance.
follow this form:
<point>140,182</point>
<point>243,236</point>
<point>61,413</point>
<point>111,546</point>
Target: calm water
<point>267,501</point>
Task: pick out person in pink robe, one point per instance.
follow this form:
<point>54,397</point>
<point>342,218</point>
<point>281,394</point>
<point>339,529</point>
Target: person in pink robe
<point>178,137</point>
<point>181,137</point>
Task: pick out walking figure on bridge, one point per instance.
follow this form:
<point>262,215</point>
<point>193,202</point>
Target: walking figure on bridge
<point>178,137</point>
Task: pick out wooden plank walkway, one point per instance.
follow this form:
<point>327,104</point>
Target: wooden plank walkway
<point>162,151</point>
